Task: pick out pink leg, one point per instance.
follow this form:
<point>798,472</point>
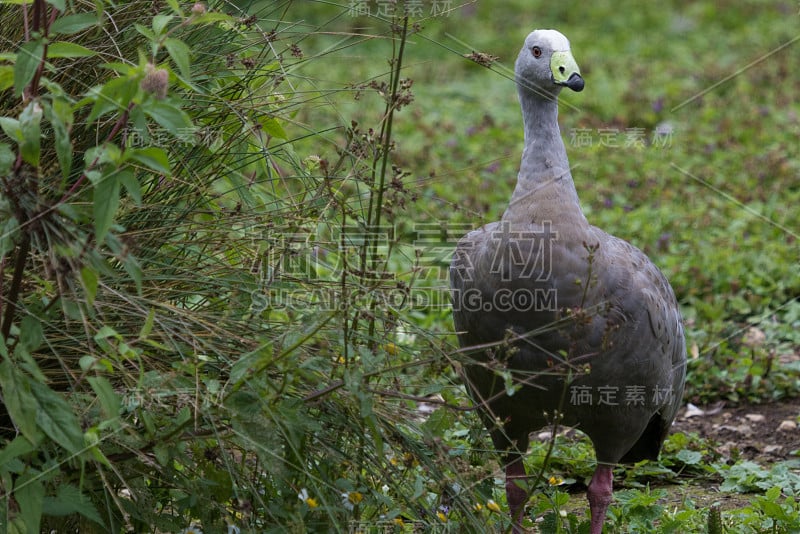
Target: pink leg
<point>515,494</point>
<point>599,493</point>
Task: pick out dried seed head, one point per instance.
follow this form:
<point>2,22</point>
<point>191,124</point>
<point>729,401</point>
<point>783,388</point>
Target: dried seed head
<point>156,81</point>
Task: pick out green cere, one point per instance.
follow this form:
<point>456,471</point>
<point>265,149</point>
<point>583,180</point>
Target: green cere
<point>563,65</point>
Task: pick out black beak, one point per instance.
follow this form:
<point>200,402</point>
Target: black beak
<point>575,82</point>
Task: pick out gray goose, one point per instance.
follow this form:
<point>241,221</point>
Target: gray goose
<point>585,325</point>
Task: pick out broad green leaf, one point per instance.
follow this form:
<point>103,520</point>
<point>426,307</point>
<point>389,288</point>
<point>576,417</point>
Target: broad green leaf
<point>689,457</point>
<point>147,32</point>
<point>160,22</point>
<point>134,270</point>
<point>170,117</point>
<point>179,52</point>
<point>12,129</point>
<point>30,121</point>
<point>89,279</point>
<point>31,335</point>
<point>175,6</point>
<point>273,127</point>
<point>102,154</point>
<point>114,95</point>
<point>58,4</point>
<point>69,500</point>
<point>19,446</point>
<point>9,230</point>
<point>105,204</point>
<point>6,77</point>
<point>67,49</point>
<point>19,401</point>
<point>56,418</point>
<point>29,57</point>
<point>29,494</point>
<point>120,68</point>
<point>153,158</point>
<point>7,159</point>
<point>28,364</point>
<point>128,180</point>
<point>109,400</point>
<point>73,23</point>
<point>59,113</point>
<point>211,16</point>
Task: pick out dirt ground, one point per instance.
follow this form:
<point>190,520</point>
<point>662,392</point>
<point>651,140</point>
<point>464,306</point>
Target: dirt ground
<point>764,433</point>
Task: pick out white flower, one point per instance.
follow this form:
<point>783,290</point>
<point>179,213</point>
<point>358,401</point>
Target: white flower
<point>192,529</point>
<point>350,499</point>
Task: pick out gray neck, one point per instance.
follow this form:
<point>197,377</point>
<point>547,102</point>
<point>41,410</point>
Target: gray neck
<point>545,190</point>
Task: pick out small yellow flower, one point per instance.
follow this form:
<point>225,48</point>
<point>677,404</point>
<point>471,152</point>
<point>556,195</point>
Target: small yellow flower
<point>493,506</point>
<point>442,517</point>
<point>477,507</point>
<point>391,349</point>
<point>399,521</point>
<point>310,501</point>
<point>555,481</point>
<point>355,497</point>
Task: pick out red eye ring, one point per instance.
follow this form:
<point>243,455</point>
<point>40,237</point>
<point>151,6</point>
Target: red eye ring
<point>536,51</point>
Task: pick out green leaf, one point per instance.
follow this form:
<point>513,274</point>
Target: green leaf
<point>153,158</point>
<point>29,494</point>
<point>160,22</point>
<point>105,204</point>
<point>179,52</point>
<point>9,231</point>
<point>19,400</point>
<point>73,23</point>
<point>58,4</point>
<point>211,16</point>
<point>12,129</point>
<point>29,57</point>
<point>60,115</point>
<point>273,127</point>
<point>102,154</point>
<point>30,125</point>
<point>19,446</point>
<point>6,77</point>
<point>689,457</point>
<point>89,278</point>
<point>69,500</point>
<point>7,159</point>
<point>109,400</point>
<point>170,117</point>
<point>147,327</point>
<point>128,180</point>
<point>147,32</point>
<point>114,95</point>
<point>175,6</point>
<point>56,418</point>
<point>67,49</point>
<point>31,335</point>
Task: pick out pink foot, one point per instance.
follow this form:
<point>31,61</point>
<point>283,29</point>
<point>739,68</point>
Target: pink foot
<point>515,494</point>
<point>599,493</point>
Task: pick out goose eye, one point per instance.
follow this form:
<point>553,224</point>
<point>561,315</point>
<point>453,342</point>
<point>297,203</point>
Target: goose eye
<point>536,51</point>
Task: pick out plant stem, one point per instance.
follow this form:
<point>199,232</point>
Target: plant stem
<point>16,283</point>
<point>386,138</point>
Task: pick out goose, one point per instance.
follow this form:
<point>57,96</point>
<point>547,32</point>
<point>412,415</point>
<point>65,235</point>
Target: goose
<point>560,322</point>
